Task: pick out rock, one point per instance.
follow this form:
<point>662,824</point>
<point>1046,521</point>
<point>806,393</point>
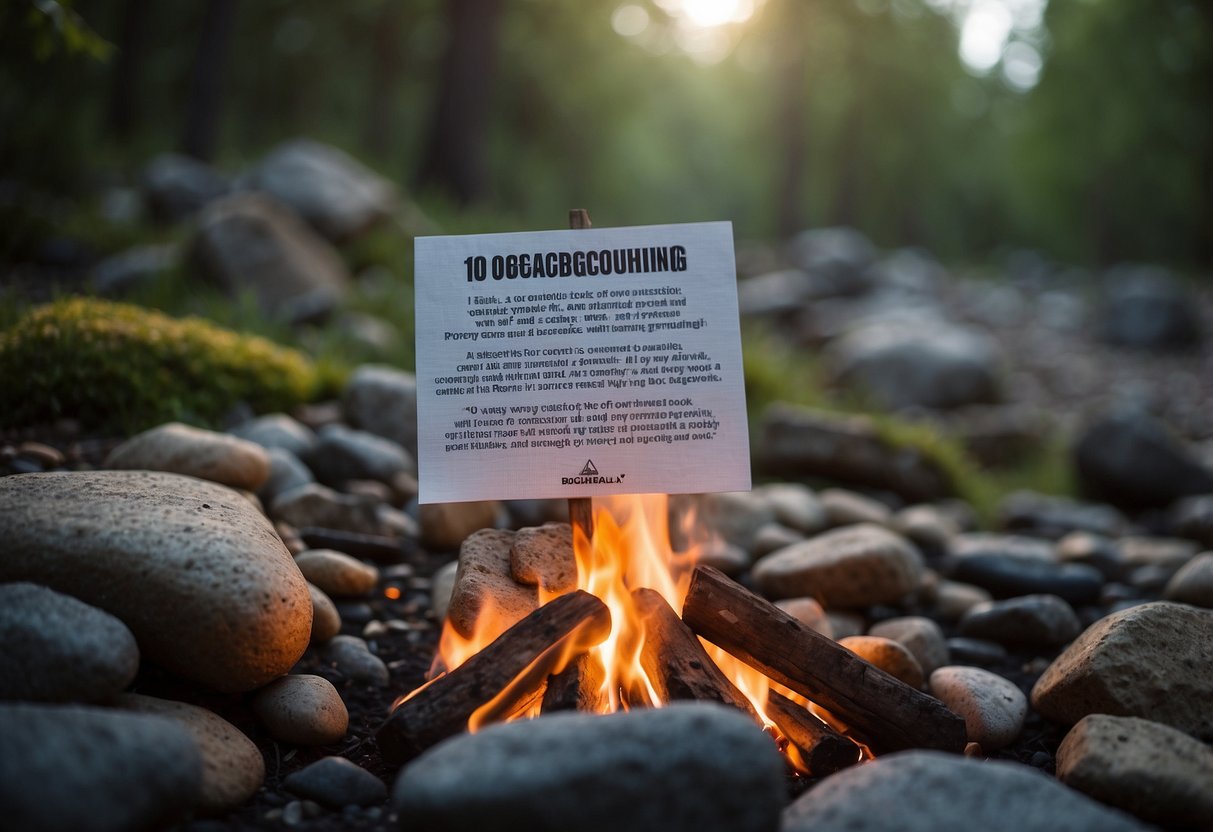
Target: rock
<point>1159,774</point>
<point>175,187</point>
<point>277,430</point>
<point>72,767</point>
<point>1093,550</point>
<point>736,515</point>
<point>954,599</point>
<point>901,366</point>
<point>1130,459</point>
<point>383,400</point>
<point>318,505</point>
<point>232,766</point>
<point>1009,576</point>
<point>975,651</point>
<point>336,194</point>
<point>890,656</point>
<point>854,566</point>
<point>542,556</point>
<point>1192,517</point>
<point>486,598</point>
<point>845,624</point>
<point>1044,515</point>
<point>1193,584</point>
<point>810,613</point>
<point>770,538</point>
<point>795,506</point>
<point>302,710</point>
<point>929,791</point>
<point>442,584</point>
<point>839,261</point>
<point>1147,308</point>
<point>696,767</point>
<point>983,543</point>
<point>287,473</point>
<point>342,454</point>
<point>1167,553</point>
<point>54,648</point>
<point>1144,661</point>
<point>920,635</point>
<point>132,269</point>
<point>444,526</point>
<point>337,573</point>
<point>336,782</point>
<point>181,449</point>
<point>846,508</point>
<point>799,443</point>
<point>992,707</point>
<point>1026,621</point>
<point>775,294</point>
<point>353,658</point>
<point>928,528</point>
<point>250,242</point>
<point>199,577</point>
<point>326,621</point>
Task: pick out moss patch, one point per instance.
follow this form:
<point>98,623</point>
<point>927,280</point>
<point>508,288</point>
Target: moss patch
<point>119,367</point>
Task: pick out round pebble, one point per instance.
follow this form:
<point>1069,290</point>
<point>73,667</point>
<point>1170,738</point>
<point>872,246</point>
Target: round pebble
<point>326,621</point>
<point>1030,620</point>
<point>336,782</point>
<point>921,635</point>
<point>890,656</point>
<point>353,658</point>
<point>302,710</point>
<point>810,613</point>
<point>992,707</point>
<point>1193,583</point>
<point>337,573</point>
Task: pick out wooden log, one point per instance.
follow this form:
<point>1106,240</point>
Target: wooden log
<point>538,645</point>
<point>821,749</point>
<point>887,714</point>
<point>577,688</point>
<point>677,665</point>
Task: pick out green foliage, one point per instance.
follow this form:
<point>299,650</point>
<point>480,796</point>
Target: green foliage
<point>120,367</point>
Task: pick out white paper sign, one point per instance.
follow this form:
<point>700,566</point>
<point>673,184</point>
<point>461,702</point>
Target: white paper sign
<point>579,363</point>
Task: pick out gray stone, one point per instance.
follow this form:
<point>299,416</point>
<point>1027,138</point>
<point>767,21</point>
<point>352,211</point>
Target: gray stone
<point>972,544</point>
<point>444,526</point>
<point>176,187</point>
<point>928,528</point>
<point>890,656</point>
<point>486,594</point>
<point>1049,516</point>
<point>277,430</point>
<point>840,261</point>
<point>1130,459</point>
<point>250,242</point>
<point>72,768</point>
<point>1192,517</point>
<point>1093,550</point>
<point>846,508</point>
<point>774,294</point>
<point>54,648</point>
<point>694,767</point>
<point>287,472</point>
<point>383,400</point>
<point>132,269</point>
<point>232,766</point>
<point>200,578</point>
<point>1009,576</point>
<point>1144,661</point>
<point>337,195</point>
<point>953,599</point>
<point>442,584</point>
<point>1159,774</point>
<point>542,556</point>
<point>1026,621</point>
<point>796,506</point>
<point>844,624</point>
<point>181,449</point>
<point>337,573</point>
<point>797,443</point>
<point>336,782</point>
<point>326,621</point>
<point>736,515</point>
<point>318,505</point>
<point>1147,308</point>
<point>1193,584</point>
<point>854,566</point>
<point>975,651</point>
<point>1167,553</point>
<point>929,791</point>
<point>770,538</point>
<point>921,635</point>
<point>302,710</point>
<point>353,658</point>
<point>900,366</point>
<point>341,454</point>
<point>992,707</point>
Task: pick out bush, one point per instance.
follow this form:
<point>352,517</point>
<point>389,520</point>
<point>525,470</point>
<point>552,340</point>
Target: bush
<point>114,366</point>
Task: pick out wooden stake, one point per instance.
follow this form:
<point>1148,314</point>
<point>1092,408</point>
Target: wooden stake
<point>822,749</point>
<point>581,509</point>
<point>886,713</point>
<point>533,648</point>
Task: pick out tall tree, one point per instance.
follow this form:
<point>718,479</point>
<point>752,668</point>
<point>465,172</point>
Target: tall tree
<point>205,98</point>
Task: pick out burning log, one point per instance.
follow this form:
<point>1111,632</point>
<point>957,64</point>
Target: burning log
<point>577,688</point>
<point>886,713</point>
<point>677,665</point>
<point>820,748</point>
<point>499,680</point>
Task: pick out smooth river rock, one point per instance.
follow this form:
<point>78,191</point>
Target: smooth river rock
<point>302,709</point>
<point>1150,661</point>
<point>854,566</point>
<point>336,782</point>
<point>920,635</point>
<point>1029,620</point>
<point>200,578</point>
<point>181,449</point>
<point>54,648</point>
<point>890,656</point>
<point>337,573</point>
<point>992,707</point>
<point>1193,584</point>
<point>75,768</point>
<point>685,768</point>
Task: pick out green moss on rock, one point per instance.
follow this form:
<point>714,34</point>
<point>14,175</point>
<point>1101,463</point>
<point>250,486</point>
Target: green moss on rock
<point>115,366</point>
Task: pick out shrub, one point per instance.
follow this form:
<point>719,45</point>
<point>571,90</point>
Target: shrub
<point>114,366</point>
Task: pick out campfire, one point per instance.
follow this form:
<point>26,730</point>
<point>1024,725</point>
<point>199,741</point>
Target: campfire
<point>642,625</point>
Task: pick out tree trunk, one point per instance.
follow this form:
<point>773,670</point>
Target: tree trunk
<point>791,116</point>
<point>128,68</point>
<point>205,99</point>
<point>385,76</point>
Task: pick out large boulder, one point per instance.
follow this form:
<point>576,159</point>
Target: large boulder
<point>1147,308</point>
<point>383,401</point>
<point>250,242</point>
<point>198,575</point>
<point>839,261</point>
<point>176,187</point>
